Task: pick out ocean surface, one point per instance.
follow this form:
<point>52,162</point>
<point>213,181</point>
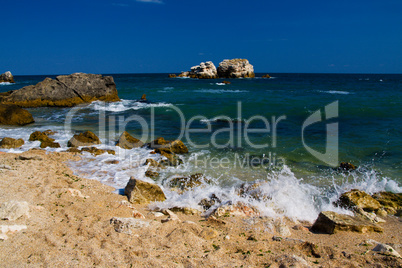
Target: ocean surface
<point>288,131</point>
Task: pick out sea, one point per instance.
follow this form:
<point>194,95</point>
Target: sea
<point>286,134</point>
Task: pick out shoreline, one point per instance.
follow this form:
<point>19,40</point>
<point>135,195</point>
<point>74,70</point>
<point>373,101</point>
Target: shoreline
<point>72,215</point>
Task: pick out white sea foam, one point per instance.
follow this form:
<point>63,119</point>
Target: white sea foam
<point>286,194</point>
<point>335,92</point>
<point>124,105</point>
<point>5,83</point>
<point>220,91</point>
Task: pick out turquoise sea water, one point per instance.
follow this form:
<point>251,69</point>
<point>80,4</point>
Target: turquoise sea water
<point>368,117</point>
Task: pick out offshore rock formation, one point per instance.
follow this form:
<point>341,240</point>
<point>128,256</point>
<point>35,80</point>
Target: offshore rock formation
<point>235,68</point>
<point>7,77</point>
<point>64,91</point>
<point>206,70</point>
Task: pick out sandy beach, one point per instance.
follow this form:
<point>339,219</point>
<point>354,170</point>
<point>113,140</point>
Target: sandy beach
<point>69,224</point>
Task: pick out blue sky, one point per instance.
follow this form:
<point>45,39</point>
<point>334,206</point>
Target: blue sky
<point>132,36</point>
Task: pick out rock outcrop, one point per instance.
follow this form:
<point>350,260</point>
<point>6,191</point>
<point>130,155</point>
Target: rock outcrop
<point>8,143</point>
<point>358,199</point>
<point>14,115</point>
<point>330,222</point>
<point>236,68</point>
<point>64,91</point>
<point>83,139</point>
<point>7,77</point>
<point>141,192</point>
<point>126,141</point>
<point>175,146</point>
<point>206,70</point>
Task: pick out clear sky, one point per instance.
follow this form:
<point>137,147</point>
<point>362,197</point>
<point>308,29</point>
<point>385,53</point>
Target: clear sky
<point>133,36</point>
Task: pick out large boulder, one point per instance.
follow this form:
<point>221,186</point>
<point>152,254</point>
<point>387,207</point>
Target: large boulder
<point>141,192</point>
<point>7,77</point>
<point>64,91</point>
<point>126,141</point>
<point>206,70</point>
<point>83,139</point>
<point>358,199</point>
<point>13,115</point>
<point>8,143</point>
<point>330,222</point>
<point>235,68</point>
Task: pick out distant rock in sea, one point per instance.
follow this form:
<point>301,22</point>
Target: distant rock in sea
<point>7,77</point>
<point>64,91</point>
<point>235,68</point>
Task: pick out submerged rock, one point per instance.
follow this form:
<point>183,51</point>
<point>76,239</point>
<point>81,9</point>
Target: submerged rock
<point>266,76</point>
<point>185,183</point>
<point>8,143</point>
<point>83,139</point>
<point>141,192</point>
<point>7,77</point>
<point>358,199</point>
<point>64,91</point>
<point>126,141</point>
<point>346,166</point>
<point>330,222</point>
<point>235,68</point>
<point>13,115</point>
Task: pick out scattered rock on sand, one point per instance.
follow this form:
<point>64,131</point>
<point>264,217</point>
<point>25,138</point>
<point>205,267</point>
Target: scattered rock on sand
<point>14,210</point>
<point>14,115</point>
<point>358,199</point>
<point>126,225</point>
<point>386,250</point>
<point>8,143</point>
<point>126,141</point>
<point>330,222</point>
<point>83,139</point>
<point>141,192</point>
<point>238,209</point>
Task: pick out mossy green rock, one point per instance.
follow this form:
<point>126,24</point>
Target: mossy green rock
<point>83,139</point>
<point>126,141</point>
<point>358,199</point>
<point>8,143</point>
<point>13,115</point>
<point>141,192</point>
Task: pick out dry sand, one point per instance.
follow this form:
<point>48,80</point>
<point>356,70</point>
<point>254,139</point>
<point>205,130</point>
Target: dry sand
<point>69,228</point>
